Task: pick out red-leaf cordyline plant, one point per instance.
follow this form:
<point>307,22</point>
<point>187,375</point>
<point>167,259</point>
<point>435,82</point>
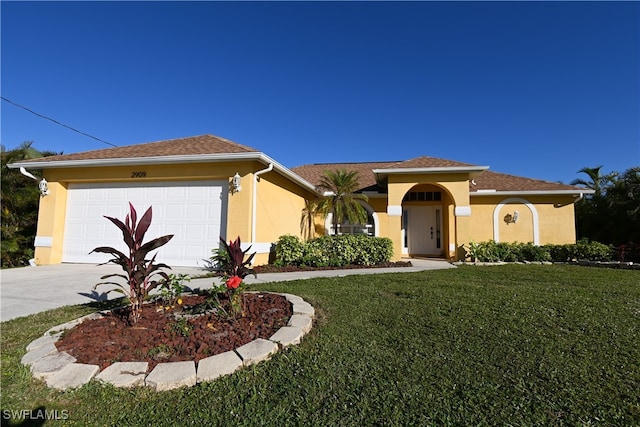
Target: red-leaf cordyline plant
<point>138,269</point>
<point>230,261</point>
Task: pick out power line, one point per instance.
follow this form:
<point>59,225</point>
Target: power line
<point>56,122</point>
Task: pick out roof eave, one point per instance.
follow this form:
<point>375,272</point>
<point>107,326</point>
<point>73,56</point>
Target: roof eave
<point>531,193</point>
<point>149,160</point>
<point>473,171</point>
<point>176,159</point>
<point>444,169</point>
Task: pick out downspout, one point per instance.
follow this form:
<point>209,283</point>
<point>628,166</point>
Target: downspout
<point>254,197</point>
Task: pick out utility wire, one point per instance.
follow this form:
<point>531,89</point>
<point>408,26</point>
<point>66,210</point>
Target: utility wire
<point>56,122</point>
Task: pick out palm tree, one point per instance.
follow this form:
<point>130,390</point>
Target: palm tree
<point>341,199</point>
<point>307,221</point>
<point>596,181</point>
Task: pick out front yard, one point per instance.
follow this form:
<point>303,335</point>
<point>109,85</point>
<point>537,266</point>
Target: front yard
<point>507,345</point>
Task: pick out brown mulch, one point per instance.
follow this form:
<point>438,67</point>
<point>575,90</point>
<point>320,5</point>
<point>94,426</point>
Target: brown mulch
<point>166,336</point>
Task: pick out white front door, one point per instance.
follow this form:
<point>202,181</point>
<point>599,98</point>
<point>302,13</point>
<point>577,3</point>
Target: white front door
<point>422,227</point>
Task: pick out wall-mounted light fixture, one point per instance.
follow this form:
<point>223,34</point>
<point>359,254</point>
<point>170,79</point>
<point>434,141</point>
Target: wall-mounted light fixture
<point>512,219</point>
<point>235,183</point>
<point>43,185</point>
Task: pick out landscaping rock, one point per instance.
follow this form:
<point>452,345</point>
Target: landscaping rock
<point>216,366</point>
<point>46,366</point>
<point>124,374</point>
<point>292,298</point>
<point>303,308</point>
<point>301,321</point>
<point>287,335</point>
<point>38,353</point>
<point>72,375</point>
<point>43,340</point>
<point>168,376</point>
<point>256,351</point>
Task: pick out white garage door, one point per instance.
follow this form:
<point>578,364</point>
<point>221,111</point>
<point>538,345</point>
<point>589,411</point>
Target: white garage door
<point>193,211</point>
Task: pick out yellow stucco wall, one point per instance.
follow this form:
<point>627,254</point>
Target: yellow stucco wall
<point>555,225</point>
<point>280,201</point>
<point>278,208</point>
<point>455,188</point>
<point>279,205</point>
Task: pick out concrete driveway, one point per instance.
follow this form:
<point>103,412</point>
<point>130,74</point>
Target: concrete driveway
<point>29,290</point>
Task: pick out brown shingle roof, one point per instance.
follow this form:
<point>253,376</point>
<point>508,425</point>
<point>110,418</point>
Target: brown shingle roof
<point>428,162</point>
<point>313,173</point>
<point>210,144</point>
<point>202,144</point>
<point>486,180</point>
<point>489,180</point>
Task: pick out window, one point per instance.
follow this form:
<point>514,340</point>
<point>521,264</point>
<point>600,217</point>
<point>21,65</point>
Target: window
<point>347,228</point>
<point>423,196</point>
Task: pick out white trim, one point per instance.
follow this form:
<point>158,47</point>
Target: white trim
<point>257,247</point>
<point>431,170</point>
<point>376,224</point>
<point>534,213</point>
<point>43,242</point>
<point>394,210</point>
<point>574,193</point>
<point>462,211</point>
<point>190,158</point>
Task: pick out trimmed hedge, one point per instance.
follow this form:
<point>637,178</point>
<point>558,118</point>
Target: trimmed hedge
<point>333,251</point>
<point>491,251</point>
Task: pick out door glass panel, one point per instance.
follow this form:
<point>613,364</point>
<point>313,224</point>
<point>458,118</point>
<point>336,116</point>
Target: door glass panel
<point>438,229</point>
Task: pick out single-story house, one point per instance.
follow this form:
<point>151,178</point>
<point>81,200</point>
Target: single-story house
<point>204,187</point>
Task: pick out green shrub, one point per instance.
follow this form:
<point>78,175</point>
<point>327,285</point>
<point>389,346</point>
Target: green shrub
<point>491,251</point>
<point>333,251</point>
<point>289,250</point>
<point>531,252</point>
<point>561,253</point>
<point>593,251</point>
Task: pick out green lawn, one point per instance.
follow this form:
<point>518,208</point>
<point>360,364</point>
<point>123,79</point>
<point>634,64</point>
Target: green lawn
<point>509,345</point>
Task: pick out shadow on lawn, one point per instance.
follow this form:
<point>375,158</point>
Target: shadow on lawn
<point>30,417</point>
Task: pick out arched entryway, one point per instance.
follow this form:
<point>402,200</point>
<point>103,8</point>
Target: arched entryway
<point>425,221</point>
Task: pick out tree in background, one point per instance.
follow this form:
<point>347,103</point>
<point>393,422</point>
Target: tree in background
<point>611,215</point>
<point>342,201</point>
<point>623,202</point>
<point>20,198</point>
<point>596,181</point>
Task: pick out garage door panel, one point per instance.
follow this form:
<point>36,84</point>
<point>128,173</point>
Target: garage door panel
<point>191,211</point>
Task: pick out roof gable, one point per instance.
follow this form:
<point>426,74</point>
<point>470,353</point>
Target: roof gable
<point>425,162</point>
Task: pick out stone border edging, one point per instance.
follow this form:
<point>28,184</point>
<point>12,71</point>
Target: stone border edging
<point>59,370</point>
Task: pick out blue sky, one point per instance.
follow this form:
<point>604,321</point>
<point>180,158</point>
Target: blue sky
<point>537,89</point>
